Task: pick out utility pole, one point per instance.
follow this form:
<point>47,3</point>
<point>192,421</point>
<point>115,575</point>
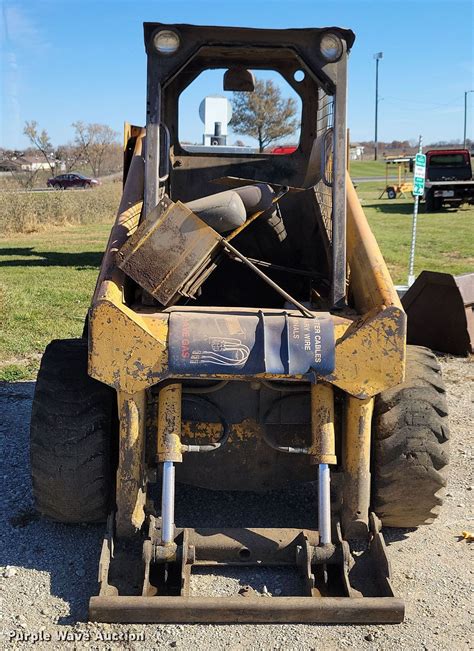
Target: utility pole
<point>377,57</point>
<point>465,115</point>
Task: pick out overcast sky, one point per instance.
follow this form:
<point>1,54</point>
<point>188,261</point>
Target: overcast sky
<point>64,61</point>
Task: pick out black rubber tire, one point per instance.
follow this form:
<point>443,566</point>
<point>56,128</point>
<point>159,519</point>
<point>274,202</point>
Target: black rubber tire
<point>391,193</point>
<point>433,204</point>
<point>429,201</point>
<point>411,445</point>
<point>73,437</point>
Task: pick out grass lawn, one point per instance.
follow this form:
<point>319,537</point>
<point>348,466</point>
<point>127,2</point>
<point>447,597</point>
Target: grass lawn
<point>47,278</point>
<point>445,240</point>
<point>366,168</point>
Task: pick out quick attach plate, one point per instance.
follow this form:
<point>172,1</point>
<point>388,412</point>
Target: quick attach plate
<point>336,587</point>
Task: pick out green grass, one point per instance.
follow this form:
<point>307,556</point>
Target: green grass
<point>47,278</point>
<point>444,242</point>
<point>366,168</point>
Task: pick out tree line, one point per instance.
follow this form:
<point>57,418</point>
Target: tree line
<point>94,146</point>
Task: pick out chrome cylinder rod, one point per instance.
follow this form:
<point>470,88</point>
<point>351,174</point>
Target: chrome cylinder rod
<point>324,504</point>
<point>167,503</point>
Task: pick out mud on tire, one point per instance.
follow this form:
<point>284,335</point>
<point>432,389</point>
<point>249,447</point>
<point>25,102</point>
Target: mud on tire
<point>73,423</point>
<point>410,445</point>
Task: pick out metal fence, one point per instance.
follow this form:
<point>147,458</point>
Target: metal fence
<point>324,133</point>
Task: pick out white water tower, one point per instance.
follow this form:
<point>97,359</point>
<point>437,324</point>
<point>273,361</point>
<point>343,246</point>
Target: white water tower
<point>215,112</point>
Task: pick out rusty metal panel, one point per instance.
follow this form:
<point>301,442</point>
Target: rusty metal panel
<point>360,589</point>
<point>249,546</point>
<point>370,355</point>
<point>169,249</point>
<point>299,610</point>
<point>126,351</point>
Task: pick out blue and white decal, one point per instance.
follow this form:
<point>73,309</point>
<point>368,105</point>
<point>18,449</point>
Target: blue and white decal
<point>249,344</point>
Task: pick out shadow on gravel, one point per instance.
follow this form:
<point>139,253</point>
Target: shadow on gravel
<point>392,535</point>
<point>66,556</point>
<point>49,258</point>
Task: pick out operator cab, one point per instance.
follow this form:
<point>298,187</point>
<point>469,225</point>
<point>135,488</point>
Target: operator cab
<point>308,232</point>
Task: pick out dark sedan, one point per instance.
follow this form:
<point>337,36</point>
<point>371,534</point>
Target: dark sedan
<point>64,181</point>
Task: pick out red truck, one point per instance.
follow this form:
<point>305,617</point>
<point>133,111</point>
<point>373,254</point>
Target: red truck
<point>448,178</point>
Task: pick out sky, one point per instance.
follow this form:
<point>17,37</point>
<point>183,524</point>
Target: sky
<point>63,61</point>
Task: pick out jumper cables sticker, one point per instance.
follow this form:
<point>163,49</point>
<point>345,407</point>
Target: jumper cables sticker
<point>250,343</point>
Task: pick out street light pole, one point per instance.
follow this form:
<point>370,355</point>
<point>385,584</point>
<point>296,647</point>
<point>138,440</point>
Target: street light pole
<point>465,115</point>
<point>377,57</point>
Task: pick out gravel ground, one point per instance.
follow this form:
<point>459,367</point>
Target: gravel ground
<point>48,571</point>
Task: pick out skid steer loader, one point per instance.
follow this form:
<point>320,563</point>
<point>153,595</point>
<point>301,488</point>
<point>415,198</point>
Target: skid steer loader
<point>244,335</point>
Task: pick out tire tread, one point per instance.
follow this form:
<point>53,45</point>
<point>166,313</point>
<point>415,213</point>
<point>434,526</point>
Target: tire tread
<point>71,437</point>
<point>411,445</point>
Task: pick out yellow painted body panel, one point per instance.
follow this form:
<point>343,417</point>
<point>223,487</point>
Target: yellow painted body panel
<point>370,355</point>
<point>128,350</point>
<point>323,439</point>
<point>169,424</point>
<point>131,472</point>
<point>356,465</point>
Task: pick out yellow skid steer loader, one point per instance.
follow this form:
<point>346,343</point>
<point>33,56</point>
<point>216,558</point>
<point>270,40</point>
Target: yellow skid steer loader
<point>244,335</point>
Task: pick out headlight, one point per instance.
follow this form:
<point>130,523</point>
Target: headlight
<point>331,47</point>
<point>166,41</point>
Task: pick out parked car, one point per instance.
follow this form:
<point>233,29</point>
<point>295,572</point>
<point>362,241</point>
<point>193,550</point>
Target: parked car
<point>64,181</point>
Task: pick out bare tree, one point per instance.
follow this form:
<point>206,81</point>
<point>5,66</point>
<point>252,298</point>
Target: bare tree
<point>40,140</point>
<point>114,160</point>
<point>25,178</point>
<point>69,155</point>
<point>264,114</point>
<point>95,142</point>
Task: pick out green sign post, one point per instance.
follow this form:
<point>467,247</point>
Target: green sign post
<point>419,175</point>
<point>418,190</point>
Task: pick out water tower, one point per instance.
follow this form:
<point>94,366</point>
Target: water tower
<point>215,112</point>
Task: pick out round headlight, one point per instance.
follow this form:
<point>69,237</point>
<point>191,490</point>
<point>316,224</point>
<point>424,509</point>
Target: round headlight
<point>331,47</point>
<point>166,41</point>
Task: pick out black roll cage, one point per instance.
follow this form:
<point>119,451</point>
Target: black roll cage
<point>185,175</point>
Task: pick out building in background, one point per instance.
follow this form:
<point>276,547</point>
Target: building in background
<point>356,152</point>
